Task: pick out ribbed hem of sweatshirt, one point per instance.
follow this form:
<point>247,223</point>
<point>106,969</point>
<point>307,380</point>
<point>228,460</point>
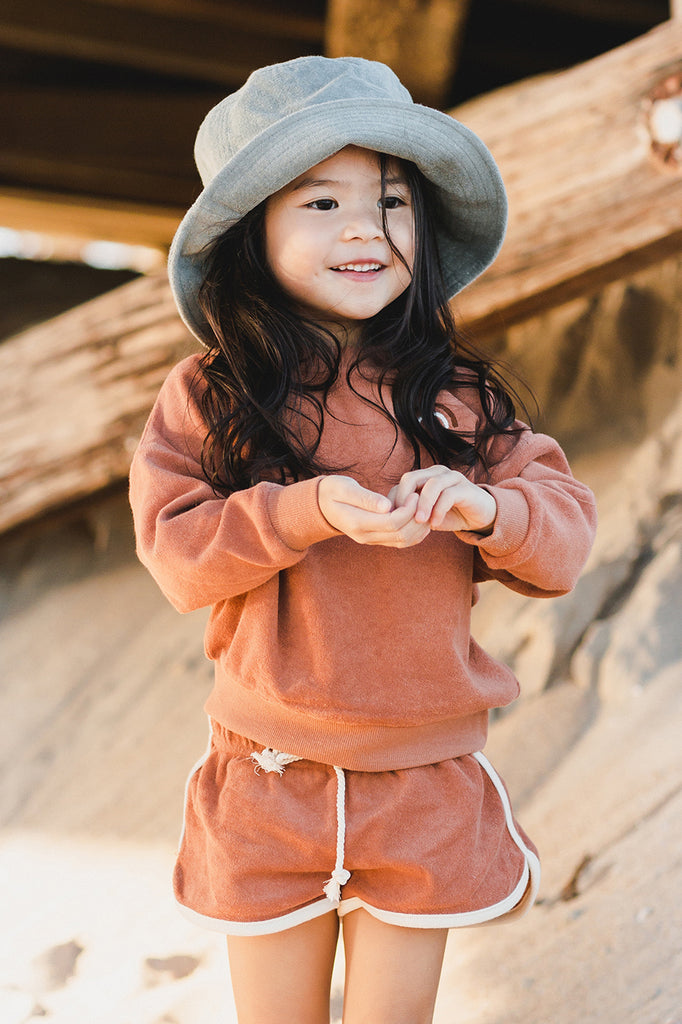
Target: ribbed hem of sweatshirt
<point>511,524</point>
<point>363,747</point>
<point>296,517</point>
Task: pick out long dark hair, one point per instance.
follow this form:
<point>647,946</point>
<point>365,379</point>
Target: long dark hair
<point>269,362</point>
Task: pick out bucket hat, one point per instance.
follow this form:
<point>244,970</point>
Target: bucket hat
<point>288,117</point>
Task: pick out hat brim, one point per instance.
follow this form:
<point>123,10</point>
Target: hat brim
<point>473,215</point>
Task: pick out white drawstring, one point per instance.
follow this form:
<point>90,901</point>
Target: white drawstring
<point>270,760</point>
<point>332,887</point>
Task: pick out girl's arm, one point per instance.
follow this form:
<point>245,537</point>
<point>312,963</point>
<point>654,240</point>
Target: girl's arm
<point>541,530</point>
<point>201,547</point>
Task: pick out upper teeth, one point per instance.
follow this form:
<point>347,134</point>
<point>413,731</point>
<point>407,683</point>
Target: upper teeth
<point>361,267</point>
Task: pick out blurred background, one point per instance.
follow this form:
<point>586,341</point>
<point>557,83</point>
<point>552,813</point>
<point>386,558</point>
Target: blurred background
<point>102,683</point>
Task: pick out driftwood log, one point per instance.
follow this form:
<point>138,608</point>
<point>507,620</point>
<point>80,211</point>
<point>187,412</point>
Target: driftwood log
<point>592,199</point>
<point>593,196</point>
<point>76,392</point>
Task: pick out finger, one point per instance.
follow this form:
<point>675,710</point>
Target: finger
<point>408,531</point>
<point>408,539</point>
<point>428,496</point>
<point>385,528</point>
<point>401,515</point>
<point>409,535</point>
<point>369,527</point>
<point>415,480</point>
<point>463,510</point>
<point>354,494</point>
<point>446,502</point>
<point>432,493</point>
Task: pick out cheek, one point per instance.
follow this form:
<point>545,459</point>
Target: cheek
<point>287,253</point>
<point>274,240</point>
<point>408,251</point>
<point>278,238</point>
<point>290,266</point>
<point>404,273</point>
<point>402,235</point>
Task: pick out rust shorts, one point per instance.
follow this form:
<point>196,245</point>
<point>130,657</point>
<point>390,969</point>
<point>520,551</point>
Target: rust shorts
<point>268,846</point>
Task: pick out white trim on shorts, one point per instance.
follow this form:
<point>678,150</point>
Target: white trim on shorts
<point>516,904</point>
<point>195,768</point>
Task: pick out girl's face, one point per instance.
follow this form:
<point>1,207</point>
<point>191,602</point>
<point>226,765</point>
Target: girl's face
<point>325,242</point>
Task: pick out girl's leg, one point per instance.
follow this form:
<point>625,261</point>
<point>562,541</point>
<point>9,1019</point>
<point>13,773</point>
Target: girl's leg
<point>285,977</point>
<point>392,973</point>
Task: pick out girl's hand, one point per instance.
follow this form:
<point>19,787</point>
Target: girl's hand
<point>367,517</point>
<point>447,500</point>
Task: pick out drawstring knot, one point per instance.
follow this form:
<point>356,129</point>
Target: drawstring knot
<point>332,887</point>
<point>272,760</point>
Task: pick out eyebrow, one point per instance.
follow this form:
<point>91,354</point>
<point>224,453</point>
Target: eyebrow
<point>324,182</point>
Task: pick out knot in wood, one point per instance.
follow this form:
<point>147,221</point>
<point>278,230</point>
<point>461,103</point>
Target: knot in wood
<point>664,120</point>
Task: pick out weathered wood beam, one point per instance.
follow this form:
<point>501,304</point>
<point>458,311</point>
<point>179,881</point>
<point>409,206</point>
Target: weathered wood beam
<point>116,143</point>
<point>591,199</point>
<point>75,217</point>
<point>206,39</point>
<point>623,12</point>
<point>76,392</point>
<point>419,39</point>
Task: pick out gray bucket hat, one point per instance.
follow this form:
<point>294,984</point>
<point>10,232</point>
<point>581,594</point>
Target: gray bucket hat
<point>288,117</point>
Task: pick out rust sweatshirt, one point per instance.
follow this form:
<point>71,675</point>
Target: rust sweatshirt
<point>354,655</point>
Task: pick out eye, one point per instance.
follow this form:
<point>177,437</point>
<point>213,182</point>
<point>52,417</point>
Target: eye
<point>391,203</point>
<point>322,204</point>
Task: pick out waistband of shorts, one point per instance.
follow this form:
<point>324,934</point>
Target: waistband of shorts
<point>373,747</point>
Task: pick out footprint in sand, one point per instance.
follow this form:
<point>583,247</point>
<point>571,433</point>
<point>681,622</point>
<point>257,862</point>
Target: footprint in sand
<point>53,968</point>
<point>170,968</point>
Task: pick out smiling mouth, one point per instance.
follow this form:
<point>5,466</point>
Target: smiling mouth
<point>359,268</point>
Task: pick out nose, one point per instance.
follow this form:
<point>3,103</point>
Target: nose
<point>363,222</point>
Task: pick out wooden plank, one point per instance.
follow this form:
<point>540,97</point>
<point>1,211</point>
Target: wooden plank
<point>116,143</point>
<point>640,13</point>
<point>73,217</point>
<point>419,39</point>
<point>210,41</point>
<point>76,393</point>
<point>589,200</point>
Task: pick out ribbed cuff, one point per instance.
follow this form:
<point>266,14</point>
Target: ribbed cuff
<point>511,524</point>
<point>296,517</point>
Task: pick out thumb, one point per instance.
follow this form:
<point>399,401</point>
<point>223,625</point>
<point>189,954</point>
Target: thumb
<point>362,497</point>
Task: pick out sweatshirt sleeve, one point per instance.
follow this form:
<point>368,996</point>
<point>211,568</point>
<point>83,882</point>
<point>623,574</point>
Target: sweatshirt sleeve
<point>545,524</point>
<point>200,547</point>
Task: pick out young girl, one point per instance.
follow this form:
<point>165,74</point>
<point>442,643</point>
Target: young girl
<point>334,476</point>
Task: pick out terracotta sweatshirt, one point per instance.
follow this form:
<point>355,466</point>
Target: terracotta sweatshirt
<point>354,655</point>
